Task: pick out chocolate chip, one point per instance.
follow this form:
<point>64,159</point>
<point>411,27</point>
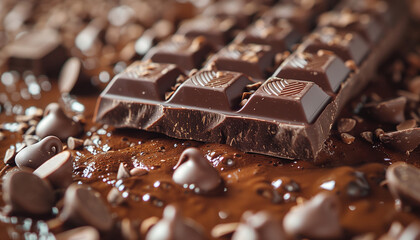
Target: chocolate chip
<point>407,124</point>
<point>138,172</point>
<point>9,157</point>
<point>403,140</point>
<point>258,226</point>
<point>56,123</point>
<point>316,218</point>
<point>401,179</point>
<point>85,232</point>
<point>27,194</point>
<point>368,136</point>
<point>115,197</point>
<point>83,207</point>
<point>35,155</point>
<point>194,170</point>
<point>57,170</point>
<point>347,138</point>
<point>123,172</point>
<point>74,143</point>
<point>346,125</point>
<point>174,226</point>
<point>391,111</point>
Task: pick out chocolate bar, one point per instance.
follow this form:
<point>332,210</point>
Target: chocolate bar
<point>289,115</point>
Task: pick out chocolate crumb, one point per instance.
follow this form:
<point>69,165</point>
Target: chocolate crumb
<point>379,132</point>
<point>346,125</point>
<point>411,123</point>
<point>347,138</point>
<point>368,136</point>
<point>352,65</point>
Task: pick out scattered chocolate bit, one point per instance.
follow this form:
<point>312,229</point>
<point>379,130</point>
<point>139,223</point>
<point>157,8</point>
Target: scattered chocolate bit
<point>391,111</point>
<point>174,226</point>
<point>368,136</point>
<point>345,125</point>
<point>9,156</point>
<point>400,179</point>
<point>351,65</point>
<point>72,78</point>
<point>347,138</point>
<point>83,207</point>
<point>57,170</point>
<point>123,172</point>
<point>27,194</point>
<point>74,143</point>
<point>224,229</point>
<point>115,197</point>
<point>316,218</point>
<point>85,232</point>
<point>88,142</point>
<point>35,155</point>
<point>138,172</point>
<point>403,140</point>
<point>258,226</point>
<point>193,169</point>
<point>56,123</point>
<point>407,124</point>
<point>379,132</point>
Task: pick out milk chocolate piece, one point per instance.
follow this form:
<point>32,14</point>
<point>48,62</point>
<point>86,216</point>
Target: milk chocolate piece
<point>251,59</point>
<point>400,178</point>
<point>35,155</point>
<point>83,207</point>
<point>57,170</point>
<point>317,218</point>
<point>290,100</point>
<point>280,36</point>
<point>186,53</point>
<point>347,46</point>
<point>328,71</point>
<point>39,51</point>
<point>27,194</point>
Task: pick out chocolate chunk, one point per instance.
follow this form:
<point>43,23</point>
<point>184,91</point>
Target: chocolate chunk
<point>251,59</point>
<point>72,78</point>
<point>85,232</point>
<point>174,226</point>
<point>368,136</point>
<point>57,170</point>
<point>280,36</point>
<point>304,100</point>
<point>9,156</point>
<point>328,71</point>
<point>347,46</point>
<point>195,171</point>
<point>403,140</point>
<point>184,52</point>
<point>35,155</point>
<point>27,194</point>
<point>316,218</point>
<point>56,123</point>
<point>83,207</point>
<point>38,51</point>
<point>390,111</point>
<point>218,90</point>
<point>401,179</point>
<point>145,79</point>
<point>407,124</point>
<point>123,172</point>
<point>258,226</point>
<point>345,125</point>
<point>74,143</point>
<point>347,138</point>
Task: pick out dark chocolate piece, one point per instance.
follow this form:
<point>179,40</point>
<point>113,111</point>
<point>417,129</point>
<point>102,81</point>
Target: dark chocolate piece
<point>390,111</point>
<point>347,46</point>
<point>83,207</point>
<point>56,123</point>
<point>402,140</point>
<point>194,171</point>
<point>174,226</point>
<point>251,59</point>
<point>218,90</point>
<point>288,100</point>
<point>346,125</point>
<point>57,170</point>
<point>38,51</point>
<point>328,71</point>
<point>186,53</point>
<point>258,226</point>
<point>280,36</point>
<point>401,178</point>
<point>27,194</point>
<point>317,218</point>
<point>35,155</point>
